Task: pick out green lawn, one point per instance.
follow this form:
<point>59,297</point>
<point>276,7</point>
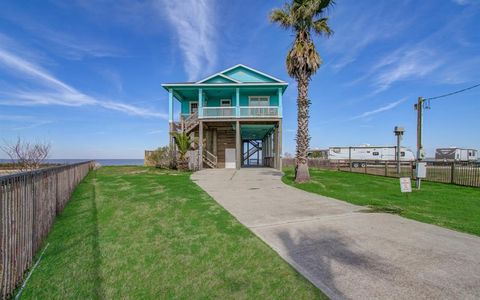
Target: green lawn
<point>144,233</point>
<point>446,205</point>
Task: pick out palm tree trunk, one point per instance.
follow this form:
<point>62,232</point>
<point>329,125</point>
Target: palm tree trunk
<point>303,138</point>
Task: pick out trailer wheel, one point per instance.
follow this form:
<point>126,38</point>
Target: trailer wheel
<point>355,165</point>
<point>364,165</point>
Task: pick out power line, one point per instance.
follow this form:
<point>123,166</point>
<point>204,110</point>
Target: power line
<point>453,93</point>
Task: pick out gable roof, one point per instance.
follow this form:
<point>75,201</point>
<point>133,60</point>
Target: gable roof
<point>221,78</point>
<point>232,71</point>
<point>238,75</point>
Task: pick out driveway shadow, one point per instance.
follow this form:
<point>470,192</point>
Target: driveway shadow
<point>328,256</point>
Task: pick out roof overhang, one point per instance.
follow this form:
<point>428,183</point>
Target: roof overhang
<point>231,85</point>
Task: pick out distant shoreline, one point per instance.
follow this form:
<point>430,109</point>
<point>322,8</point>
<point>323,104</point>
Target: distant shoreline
<point>103,162</point>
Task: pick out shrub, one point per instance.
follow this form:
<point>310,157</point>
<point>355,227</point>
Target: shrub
<point>162,158</point>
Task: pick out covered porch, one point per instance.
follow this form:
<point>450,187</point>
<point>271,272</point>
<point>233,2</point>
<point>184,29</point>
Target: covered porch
<point>240,143</point>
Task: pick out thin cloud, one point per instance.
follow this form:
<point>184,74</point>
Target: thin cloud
<point>24,121</point>
<point>194,24</point>
<point>71,45</point>
<point>32,125</point>
<point>354,36</point>
<point>54,91</point>
<point>78,47</point>
<point>463,2</point>
<point>405,64</point>
<point>384,108</point>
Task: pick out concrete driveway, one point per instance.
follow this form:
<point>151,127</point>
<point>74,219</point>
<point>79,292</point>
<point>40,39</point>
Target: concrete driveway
<point>346,252</point>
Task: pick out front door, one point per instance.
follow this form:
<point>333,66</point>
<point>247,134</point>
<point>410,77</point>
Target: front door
<point>193,107</point>
<point>230,158</point>
<point>226,109</point>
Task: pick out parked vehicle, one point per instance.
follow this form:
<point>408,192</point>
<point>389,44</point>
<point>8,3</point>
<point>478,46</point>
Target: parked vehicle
<point>317,153</point>
<point>361,154</point>
<point>456,154</point>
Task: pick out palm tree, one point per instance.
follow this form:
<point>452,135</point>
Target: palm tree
<point>182,141</point>
<point>303,60</point>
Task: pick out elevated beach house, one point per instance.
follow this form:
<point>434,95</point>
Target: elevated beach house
<point>237,113</point>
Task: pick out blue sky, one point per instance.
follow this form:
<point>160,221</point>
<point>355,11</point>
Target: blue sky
<point>85,75</point>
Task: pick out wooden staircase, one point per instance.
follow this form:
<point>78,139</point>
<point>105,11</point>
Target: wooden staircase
<point>210,159</point>
<point>190,123</point>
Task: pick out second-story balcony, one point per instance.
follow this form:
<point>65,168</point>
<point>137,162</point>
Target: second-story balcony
<point>240,112</point>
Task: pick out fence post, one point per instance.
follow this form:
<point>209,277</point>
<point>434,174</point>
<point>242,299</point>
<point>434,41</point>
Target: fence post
<point>386,172</point>
<point>350,158</point>
<point>452,173</point>
<point>365,167</point>
<point>411,169</point>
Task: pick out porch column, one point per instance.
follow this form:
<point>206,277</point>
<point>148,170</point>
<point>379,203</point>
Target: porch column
<point>263,150</point>
<point>214,142</point>
<point>280,104</point>
<point>267,150</point>
<point>170,116</point>
<point>200,145</point>
<point>267,145</point>
<point>237,102</point>
<point>200,102</point>
<point>279,146</point>
<point>237,145</point>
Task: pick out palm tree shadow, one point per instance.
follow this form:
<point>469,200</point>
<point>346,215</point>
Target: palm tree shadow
<point>328,255</point>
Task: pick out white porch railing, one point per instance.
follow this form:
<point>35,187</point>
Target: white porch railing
<point>259,111</point>
<point>219,112</point>
<point>243,112</point>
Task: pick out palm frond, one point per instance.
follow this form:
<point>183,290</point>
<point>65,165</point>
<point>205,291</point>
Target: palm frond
<point>182,140</point>
<point>282,16</point>
<point>321,27</point>
<point>303,59</point>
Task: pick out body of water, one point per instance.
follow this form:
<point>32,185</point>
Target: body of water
<point>103,162</point>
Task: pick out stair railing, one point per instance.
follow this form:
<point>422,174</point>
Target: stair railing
<point>210,157</point>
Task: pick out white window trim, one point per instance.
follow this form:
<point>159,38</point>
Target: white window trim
<point>250,99</point>
<point>229,101</point>
<point>190,106</point>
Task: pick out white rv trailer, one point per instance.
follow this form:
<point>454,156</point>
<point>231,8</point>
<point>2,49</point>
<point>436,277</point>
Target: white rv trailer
<point>456,154</point>
<point>358,155</point>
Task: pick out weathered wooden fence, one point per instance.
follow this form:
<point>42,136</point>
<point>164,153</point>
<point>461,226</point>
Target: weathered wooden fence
<point>460,173</point>
<point>29,202</point>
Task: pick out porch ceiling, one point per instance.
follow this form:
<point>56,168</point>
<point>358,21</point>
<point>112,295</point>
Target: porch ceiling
<point>255,131</point>
<point>220,92</point>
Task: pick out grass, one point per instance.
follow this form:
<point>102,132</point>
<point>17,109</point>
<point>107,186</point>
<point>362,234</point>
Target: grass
<point>446,205</point>
<point>144,233</point>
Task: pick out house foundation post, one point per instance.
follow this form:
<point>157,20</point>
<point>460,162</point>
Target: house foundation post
<point>279,147</point>
<point>200,145</point>
<point>237,145</point>
<point>275,147</point>
<point>214,142</point>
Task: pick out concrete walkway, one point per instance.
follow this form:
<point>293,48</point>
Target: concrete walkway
<point>346,252</point>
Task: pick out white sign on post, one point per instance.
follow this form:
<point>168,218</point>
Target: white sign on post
<point>405,185</point>
<point>421,170</point>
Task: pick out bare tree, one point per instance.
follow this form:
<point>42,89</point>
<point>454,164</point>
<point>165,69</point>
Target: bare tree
<point>25,155</point>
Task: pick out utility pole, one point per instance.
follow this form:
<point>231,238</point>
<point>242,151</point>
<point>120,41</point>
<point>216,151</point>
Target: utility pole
<point>420,151</point>
<point>398,133</point>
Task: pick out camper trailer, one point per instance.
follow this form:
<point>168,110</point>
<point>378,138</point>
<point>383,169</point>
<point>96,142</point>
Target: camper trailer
<point>358,155</point>
<point>456,154</point>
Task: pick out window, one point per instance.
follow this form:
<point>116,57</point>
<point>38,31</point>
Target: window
<point>259,100</point>
<point>225,102</point>
<point>376,154</point>
<point>402,154</point>
<point>193,107</point>
<point>336,150</point>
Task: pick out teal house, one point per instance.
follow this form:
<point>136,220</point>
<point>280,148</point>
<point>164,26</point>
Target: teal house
<point>236,113</point>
